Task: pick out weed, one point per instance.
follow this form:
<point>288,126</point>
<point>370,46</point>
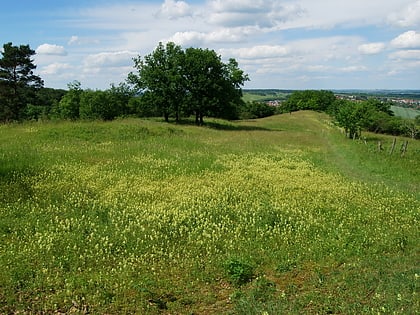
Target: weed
<point>239,270</point>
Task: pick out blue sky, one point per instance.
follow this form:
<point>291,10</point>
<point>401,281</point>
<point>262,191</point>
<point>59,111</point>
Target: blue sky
<point>291,44</point>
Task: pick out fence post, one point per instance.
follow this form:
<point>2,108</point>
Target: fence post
<point>404,148</point>
<point>393,146</point>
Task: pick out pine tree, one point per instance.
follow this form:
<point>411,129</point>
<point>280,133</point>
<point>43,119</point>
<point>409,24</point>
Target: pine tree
<point>18,82</point>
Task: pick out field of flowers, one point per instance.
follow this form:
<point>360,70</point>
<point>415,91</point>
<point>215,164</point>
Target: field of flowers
<point>140,217</point>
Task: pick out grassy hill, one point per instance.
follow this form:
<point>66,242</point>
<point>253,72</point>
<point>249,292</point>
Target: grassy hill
<point>281,215</point>
<point>403,112</point>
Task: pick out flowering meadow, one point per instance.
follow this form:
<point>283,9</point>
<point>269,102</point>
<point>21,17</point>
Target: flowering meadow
<point>258,217</point>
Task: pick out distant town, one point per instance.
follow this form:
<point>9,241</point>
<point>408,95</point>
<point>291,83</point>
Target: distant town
<point>401,98</point>
<point>407,99</point>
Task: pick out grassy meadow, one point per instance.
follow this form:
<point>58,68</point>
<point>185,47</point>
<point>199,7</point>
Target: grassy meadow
<point>282,215</point>
<point>408,113</point>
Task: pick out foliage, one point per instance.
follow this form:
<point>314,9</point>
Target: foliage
<point>194,81</point>
<point>321,100</point>
<point>371,115</point>
<point>18,83</point>
<point>160,76</point>
<point>69,105</point>
<point>252,110</point>
<point>89,104</point>
<point>349,115</point>
<point>135,216</point>
<point>239,271</point>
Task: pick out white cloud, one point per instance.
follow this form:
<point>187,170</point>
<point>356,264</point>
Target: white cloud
<point>258,13</point>
<point>408,16</point>
<point>73,40</point>
<point>55,68</point>
<point>371,48</point>
<point>257,52</point>
<point>223,35</point>
<point>175,9</point>
<point>110,59</point>
<point>405,55</point>
<point>48,49</point>
<point>318,68</point>
<point>76,40</point>
<point>353,68</point>
<point>409,39</point>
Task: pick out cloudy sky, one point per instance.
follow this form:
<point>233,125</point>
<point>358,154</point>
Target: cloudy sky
<point>285,44</point>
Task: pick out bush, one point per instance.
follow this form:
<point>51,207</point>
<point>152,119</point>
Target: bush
<point>253,110</point>
<point>239,271</point>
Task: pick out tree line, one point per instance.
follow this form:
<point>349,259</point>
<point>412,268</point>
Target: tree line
<point>173,83</point>
<point>170,82</point>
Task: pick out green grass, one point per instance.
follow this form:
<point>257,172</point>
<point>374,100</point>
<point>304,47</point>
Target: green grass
<point>282,215</point>
<point>408,113</point>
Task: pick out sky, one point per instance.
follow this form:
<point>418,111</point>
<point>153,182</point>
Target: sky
<point>280,44</point>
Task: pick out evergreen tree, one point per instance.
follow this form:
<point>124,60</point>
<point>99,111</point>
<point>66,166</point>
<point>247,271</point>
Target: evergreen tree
<point>18,83</point>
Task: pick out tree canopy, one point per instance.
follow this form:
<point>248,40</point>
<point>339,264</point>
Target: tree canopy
<point>192,81</point>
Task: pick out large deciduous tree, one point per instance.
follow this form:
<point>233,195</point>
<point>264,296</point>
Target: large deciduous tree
<point>17,80</point>
<point>194,81</point>
<point>160,77</point>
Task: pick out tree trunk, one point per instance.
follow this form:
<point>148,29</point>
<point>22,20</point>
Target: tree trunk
<point>196,118</point>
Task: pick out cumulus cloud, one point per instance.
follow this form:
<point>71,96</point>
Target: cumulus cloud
<point>175,9</point>
<point>259,13</point>
<point>223,35</point>
<point>48,49</point>
<point>257,52</point>
<point>54,68</point>
<point>371,48</point>
<point>110,59</point>
<point>409,39</point>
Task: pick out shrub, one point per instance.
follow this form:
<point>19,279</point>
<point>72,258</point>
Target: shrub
<point>239,271</point>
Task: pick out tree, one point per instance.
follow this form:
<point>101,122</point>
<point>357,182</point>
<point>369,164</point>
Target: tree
<point>120,96</point>
<point>18,83</point>
<point>160,75</point>
<point>380,106</point>
<point>234,79</point>
<point>256,109</point>
<point>213,88</point>
<point>68,107</point>
<point>203,73</point>
<point>349,116</point>
<point>194,81</point>
<point>310,100</point>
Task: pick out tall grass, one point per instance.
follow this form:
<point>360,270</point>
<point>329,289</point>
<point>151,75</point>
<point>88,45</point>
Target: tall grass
<point>280,215</point>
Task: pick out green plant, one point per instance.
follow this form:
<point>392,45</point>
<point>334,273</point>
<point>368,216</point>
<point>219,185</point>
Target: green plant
<point>239,270</point>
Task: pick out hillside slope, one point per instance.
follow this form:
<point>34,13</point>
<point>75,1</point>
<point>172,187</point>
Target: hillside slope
<point>282,215</point>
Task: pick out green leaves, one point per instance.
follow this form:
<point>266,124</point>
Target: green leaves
<point>17,80</point>
<point>194,81</point>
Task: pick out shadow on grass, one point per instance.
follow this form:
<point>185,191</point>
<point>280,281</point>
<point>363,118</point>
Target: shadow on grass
<point>228,126</point>
<point>16,184</point>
